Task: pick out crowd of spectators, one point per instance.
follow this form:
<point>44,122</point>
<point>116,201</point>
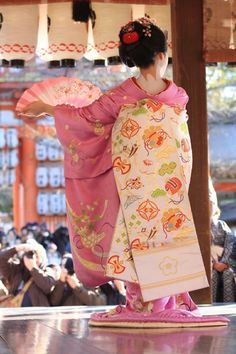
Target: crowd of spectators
<point>36,269</point>
<point>223,253</point>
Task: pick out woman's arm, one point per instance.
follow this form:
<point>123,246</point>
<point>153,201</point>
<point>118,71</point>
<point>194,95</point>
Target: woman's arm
<point>44,279</point>
<point>57,293</point>
<point>7,267</point>
<point>84,133</point>
<point>105,108</point>
<point>36,110</point>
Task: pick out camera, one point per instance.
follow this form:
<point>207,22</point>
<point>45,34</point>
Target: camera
<point>29,254</point>
<point>69,266</point>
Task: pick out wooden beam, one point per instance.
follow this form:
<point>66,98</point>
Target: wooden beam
<point>229,186</point>
<point>25,2</point>
<point>220,55</point>
<point>189,72</point>
<point>28,166</point>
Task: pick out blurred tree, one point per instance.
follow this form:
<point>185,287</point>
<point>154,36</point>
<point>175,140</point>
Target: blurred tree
<point>6,202</point>
<point>221,87</point>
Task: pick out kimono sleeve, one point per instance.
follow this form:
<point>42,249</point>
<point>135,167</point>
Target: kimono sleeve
<point>85,134</point>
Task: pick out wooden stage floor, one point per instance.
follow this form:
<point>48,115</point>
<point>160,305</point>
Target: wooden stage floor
<point>64,330</point>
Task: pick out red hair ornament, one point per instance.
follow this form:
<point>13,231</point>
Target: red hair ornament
<point>130,37</point>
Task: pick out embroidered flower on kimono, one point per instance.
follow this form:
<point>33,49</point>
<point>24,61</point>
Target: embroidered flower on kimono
<point>130,128</point>
<point>137,245</point>
<point>173,185</point>
<point>154,137</point>
<point>121,165</point>
<point>148,162</point>
<point>98,128</point>
<point>148,210</point>
<point>167,168</point>
<point>168,266</point>
<point>173,219</point>
<point>178,109</point>
<point>153,105</point>
<point>116,264</point>
<point>73,150</point>
<point>133,183</point>
<point>89,238</point>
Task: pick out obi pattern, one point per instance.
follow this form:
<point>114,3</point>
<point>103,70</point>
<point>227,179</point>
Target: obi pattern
<point>152,161</point>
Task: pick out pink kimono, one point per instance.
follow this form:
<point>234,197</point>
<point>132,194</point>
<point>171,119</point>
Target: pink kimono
<point>92,197</point>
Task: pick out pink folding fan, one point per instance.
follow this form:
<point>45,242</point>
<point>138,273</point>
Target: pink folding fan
<point>61,90</point>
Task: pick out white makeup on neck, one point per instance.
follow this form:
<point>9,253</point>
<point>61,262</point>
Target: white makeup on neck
<point>150,80</point>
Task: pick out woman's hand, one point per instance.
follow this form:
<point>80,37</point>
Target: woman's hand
<point>72,281</point>
<point>36,110</point>
<point>30,263</point>
<point>220,267</point>
<point>24,247</point>
<point>63,275</point>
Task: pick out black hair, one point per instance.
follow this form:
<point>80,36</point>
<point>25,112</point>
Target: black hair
<point>143,52</point>
<point>69,265</point>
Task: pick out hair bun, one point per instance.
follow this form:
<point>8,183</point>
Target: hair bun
<point>140,41</point>
<point>130,37</point>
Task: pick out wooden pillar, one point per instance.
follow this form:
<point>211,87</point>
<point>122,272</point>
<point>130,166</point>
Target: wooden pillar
<point>28,170</point>
<point>16,201</point>
<point>189,72</point>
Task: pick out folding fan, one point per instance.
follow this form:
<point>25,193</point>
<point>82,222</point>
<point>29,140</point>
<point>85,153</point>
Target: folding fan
<point>61,90</point>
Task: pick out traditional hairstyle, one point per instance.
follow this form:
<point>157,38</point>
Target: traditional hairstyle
<point>140,41</point>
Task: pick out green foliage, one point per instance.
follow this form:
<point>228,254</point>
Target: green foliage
<point>221,87</point>
<point>6,202</point>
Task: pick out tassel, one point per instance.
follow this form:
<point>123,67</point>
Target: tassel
<point>81,10</point>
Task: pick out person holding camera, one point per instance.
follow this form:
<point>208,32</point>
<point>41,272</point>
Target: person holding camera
<point>23,268</point>
<point>70,292</point>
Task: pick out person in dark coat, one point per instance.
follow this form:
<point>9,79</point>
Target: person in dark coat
<point>222,241</point>
<point>70,292</point>
<point>23,262</point>
<point>223,282</point>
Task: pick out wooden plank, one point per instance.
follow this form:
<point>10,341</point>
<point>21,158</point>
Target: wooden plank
<point>25,2</point>
<point>189,72</point>
<point>229,186</point>
<point>220,55</point>
<point>33,336</point>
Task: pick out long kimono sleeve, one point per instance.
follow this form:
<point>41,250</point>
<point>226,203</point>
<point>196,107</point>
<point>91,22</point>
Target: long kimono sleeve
<point>91,194</point>
<point>85,134</point>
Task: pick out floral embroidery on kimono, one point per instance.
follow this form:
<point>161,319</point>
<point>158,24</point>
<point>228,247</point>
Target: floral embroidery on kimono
<point>152,159</point>
<point>122,162</point>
